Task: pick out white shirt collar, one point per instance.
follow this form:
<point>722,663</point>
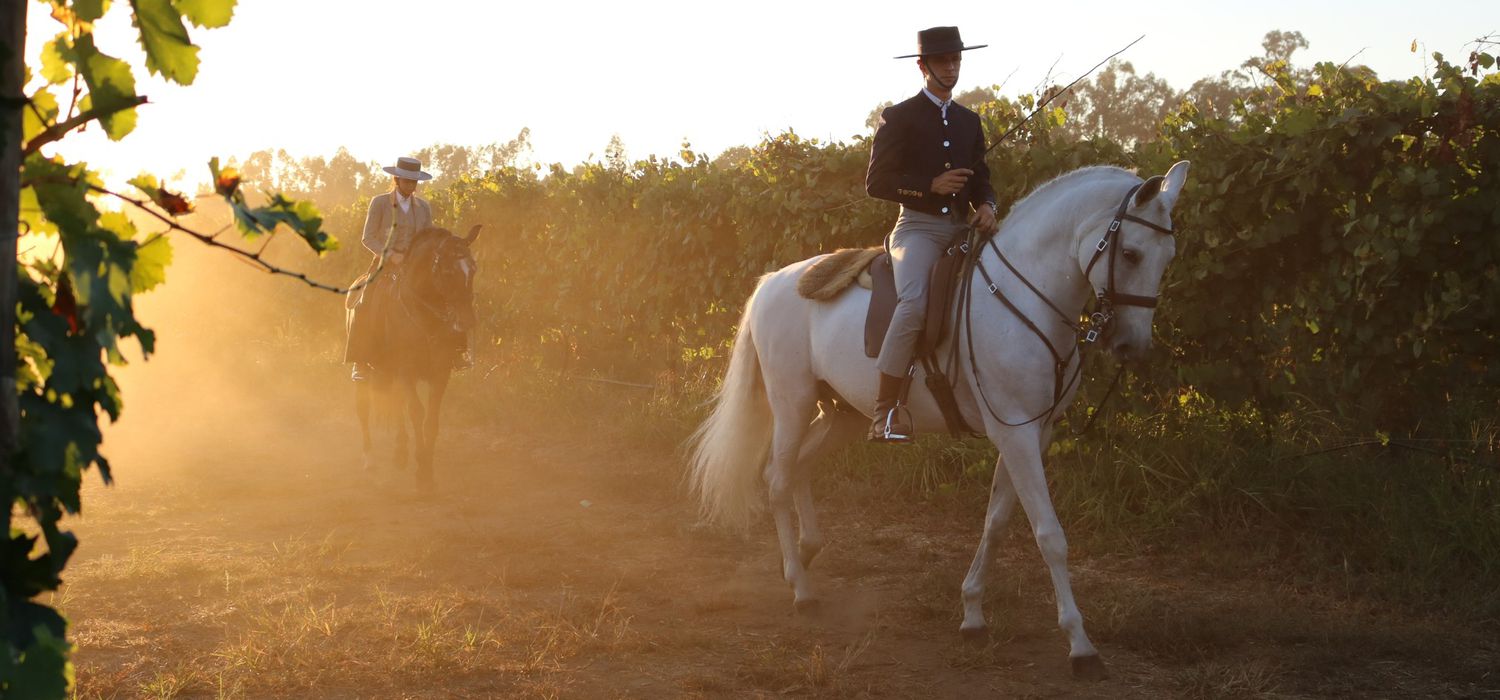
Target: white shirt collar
<point>941,103</point>
<point>403,201</point>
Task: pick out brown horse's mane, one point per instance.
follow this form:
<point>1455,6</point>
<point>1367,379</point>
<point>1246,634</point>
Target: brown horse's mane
<point>425,242</point>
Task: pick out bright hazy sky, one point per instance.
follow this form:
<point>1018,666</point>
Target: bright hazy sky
<point>387,78</point>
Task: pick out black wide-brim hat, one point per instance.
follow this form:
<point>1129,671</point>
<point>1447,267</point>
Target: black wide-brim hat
<point>939,40</point>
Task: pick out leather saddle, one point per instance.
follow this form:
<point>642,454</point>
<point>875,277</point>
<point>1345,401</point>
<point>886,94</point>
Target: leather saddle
<point>942,282</point>
<point>942,286</point>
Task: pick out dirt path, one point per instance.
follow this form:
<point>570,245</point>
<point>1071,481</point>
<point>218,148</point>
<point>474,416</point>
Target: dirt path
<point>561,564</point>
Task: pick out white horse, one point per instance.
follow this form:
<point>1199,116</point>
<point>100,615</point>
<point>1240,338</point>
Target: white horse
<point>1097,232</point>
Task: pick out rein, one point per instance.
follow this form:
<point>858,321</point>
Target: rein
<point>1091,330</point>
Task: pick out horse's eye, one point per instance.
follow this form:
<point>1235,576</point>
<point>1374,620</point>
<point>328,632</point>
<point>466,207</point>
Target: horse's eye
<point>1132,255</point>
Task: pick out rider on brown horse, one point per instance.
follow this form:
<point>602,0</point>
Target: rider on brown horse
<point>392,223</point>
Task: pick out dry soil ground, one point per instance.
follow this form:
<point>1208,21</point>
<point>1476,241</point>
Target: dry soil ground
<point>244,553</point>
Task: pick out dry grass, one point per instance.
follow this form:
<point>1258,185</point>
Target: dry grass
<point>256,568</point>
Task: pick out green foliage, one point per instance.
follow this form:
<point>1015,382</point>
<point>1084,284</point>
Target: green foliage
<point>1352,226</point>
<point>74,311</point>
<point>300,216</point>
<point>1334,236</point>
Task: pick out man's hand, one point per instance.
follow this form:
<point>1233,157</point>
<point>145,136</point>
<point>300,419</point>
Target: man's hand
<point>951,181</point>
<point>983,219</point>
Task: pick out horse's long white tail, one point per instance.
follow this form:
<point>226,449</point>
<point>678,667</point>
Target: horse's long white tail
<point>730,448</point>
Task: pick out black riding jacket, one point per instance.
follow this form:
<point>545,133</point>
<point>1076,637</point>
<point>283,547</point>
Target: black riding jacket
<point>915,144</point>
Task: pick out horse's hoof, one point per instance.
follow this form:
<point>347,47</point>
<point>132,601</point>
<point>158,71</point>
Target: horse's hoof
<point>1088,668</point>
<point>975,636</point>
<point>808,607</point>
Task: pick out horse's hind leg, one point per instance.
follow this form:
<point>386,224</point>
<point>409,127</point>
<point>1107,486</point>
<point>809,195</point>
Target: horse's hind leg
<point>791,416</point>
<point>834,428</point>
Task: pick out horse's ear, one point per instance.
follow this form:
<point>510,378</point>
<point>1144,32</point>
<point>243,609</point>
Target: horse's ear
<point>1148,191</point>
<point>473,234</point>
<point>1175,179</point>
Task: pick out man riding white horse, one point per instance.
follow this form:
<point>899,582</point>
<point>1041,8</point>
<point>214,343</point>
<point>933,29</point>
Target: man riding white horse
<point>928,156</point>
<point>392,222</point>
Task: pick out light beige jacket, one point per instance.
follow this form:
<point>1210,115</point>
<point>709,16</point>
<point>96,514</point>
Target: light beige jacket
<point>384,211</point>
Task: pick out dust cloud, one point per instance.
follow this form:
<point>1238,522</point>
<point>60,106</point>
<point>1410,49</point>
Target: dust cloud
<point>242,356</point>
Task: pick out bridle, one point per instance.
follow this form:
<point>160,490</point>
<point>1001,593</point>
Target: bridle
<point>419,306</point>
<point>1085,333</point>
<point>1111,297</point>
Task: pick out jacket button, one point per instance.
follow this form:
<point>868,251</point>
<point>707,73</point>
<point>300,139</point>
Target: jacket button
<point>945,122</point>
<point>947,165</point>
<point>945,210</point>
<point>945,144</point>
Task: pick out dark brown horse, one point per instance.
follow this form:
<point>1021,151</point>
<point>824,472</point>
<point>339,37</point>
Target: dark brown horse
<point>428,309</point>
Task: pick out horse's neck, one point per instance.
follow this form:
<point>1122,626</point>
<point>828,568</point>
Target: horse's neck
<point>1042,243</point>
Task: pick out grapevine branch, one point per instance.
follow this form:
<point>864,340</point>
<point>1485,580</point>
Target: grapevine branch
<point>253,259</point>
<point>57,131</point>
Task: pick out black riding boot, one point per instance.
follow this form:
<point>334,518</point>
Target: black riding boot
<point>892,421</point>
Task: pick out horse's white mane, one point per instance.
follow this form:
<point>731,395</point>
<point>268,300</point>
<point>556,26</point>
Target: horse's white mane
<point>1054,185</point>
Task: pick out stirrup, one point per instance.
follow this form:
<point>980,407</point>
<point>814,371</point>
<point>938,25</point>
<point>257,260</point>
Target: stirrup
<point>889,431</point>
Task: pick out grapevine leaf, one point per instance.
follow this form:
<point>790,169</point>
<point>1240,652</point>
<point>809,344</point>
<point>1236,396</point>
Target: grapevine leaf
<point>172,203</point>
<point>43,670</point>
<point>209,14</point>
<point>169,51</point>
<point>90,10</point>
<point>39,115</point>
<point>32,220</point>
<point>65,306</point>
<point>55,68</point>
<point>151,261</point>
<point>111,86</point>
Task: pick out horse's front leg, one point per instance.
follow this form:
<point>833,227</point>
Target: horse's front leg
<point>407,409</point>
<point>1002,504</point>
<point>362,409</point>
<point>1020,449</point>
<point>431,418</point>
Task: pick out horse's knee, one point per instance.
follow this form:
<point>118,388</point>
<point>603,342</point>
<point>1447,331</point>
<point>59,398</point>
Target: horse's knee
<point>1053,544</point>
